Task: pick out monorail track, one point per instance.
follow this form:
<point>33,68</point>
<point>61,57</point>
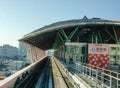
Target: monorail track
<point>45,78</point>
<point>53,76</point>
<point>61,80</point>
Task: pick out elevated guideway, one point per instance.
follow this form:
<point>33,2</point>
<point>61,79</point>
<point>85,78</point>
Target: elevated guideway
<point>53,73</point>
<point>49,73</point>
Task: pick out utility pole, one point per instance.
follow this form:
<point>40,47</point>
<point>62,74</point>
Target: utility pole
<point>16,62</point>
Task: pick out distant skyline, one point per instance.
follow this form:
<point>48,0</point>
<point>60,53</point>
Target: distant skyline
<point>20,17</point>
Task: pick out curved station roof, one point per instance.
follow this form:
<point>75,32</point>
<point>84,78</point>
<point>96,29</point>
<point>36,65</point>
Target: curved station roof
<point>94,30</point>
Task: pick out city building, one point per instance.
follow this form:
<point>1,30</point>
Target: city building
<point>8,51</point>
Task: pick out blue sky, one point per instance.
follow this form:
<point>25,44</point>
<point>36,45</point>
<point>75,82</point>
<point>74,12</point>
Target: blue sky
<point>20,17</point>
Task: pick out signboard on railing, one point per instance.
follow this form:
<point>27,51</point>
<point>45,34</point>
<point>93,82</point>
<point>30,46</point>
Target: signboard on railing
<point>98,55</point>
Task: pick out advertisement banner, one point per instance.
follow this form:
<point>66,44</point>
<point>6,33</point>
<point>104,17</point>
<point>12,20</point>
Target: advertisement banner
<point>98,55</point>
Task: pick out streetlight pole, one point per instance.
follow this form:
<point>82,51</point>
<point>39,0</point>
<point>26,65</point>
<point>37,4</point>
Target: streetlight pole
<point>16,63</point>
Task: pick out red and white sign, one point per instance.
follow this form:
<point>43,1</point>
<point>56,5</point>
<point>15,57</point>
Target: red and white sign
<point>98,55</point>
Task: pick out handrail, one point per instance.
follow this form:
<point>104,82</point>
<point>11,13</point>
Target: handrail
<point>104,76</point>
<point>99,68</point>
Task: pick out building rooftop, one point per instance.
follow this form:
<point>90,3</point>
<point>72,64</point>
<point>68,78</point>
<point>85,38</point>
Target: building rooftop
<point>45,37</point>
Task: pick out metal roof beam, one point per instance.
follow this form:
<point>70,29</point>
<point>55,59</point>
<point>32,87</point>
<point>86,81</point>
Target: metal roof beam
<point>72,33</point>
<point>109,33</point>
<point>115,33</point>
<point>63,33</point>
<point>60,37</point>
